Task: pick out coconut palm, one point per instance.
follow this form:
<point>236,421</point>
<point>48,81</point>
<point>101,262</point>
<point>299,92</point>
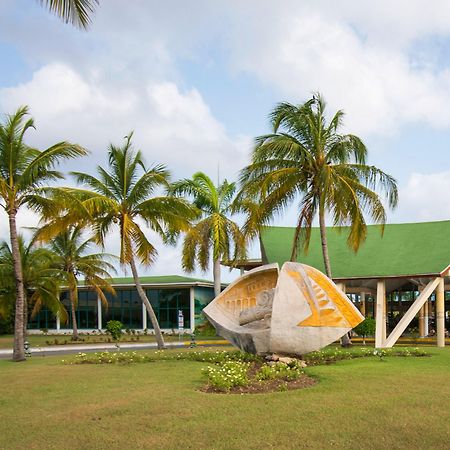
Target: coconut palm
<point>23,172</point>
<point>121,197</point>
<point>214,230</point>
<point>72,261</point>
<point>76,12</point>
<point>40,279</point>
<point>306,158</point>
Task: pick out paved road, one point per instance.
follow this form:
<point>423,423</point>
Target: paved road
<point>90,348</point>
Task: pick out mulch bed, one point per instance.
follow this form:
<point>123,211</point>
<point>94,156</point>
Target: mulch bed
<point>264,387</point>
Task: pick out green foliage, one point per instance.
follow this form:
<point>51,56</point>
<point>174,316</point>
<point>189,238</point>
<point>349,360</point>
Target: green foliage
<point>108,358</point>
<point>306,159</point>
<point>366,327</point>
<point>114,328</point>
<point>205,329</point>
<point>76,12</point>
<point>214,229</point>
<point>278,370</point>
<point>333,354</point>
<point>41,280</point>
<point>227,375</point>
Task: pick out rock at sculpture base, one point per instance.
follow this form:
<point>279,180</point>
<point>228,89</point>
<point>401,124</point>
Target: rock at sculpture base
<point>293,311</point>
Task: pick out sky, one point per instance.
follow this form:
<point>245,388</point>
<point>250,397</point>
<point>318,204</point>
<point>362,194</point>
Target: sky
<point>197,80</point>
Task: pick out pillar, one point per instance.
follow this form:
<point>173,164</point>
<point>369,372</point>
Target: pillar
<point>144,317</point>
<point>426,331</point>
<point>99,313</point>
<point>384,315</point>
<point>422,317</point>
<point>58,322</point>
<point>440,311</point>
<point>362,301</point>
<point>192,308</point>
<point>242,271</point>
<point>380,320</point>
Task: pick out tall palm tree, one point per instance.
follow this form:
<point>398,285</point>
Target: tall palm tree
<point>76,12</point>
<point>40,279</point>
<point>214,230</point>
<point>70,259</point>
<point>306,158</point>
<point>122,196</point>
<point>23,172</point>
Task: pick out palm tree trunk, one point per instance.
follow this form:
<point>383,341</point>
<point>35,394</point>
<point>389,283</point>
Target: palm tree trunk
<point>323,238</point>
<point>18,351</point>
<point>25,316</point>
<point>216,277</point>
<point>74,315</point>
<point>345,340</point>
<point>148,306</point>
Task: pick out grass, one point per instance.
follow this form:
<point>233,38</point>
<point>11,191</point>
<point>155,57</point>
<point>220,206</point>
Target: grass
<point>35,340</point>
<point>363,403</point>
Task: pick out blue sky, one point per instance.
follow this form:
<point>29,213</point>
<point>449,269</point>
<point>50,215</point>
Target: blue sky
<point>197,80</point>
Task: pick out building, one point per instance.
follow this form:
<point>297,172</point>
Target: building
<point>168,295</point>
<point>400,276</point>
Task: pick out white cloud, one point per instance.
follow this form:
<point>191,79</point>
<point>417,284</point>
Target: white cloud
<point>369,74</point>
<point>171,126</point>
<point>425,197</point>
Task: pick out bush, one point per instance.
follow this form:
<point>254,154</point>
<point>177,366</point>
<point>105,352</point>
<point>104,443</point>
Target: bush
<point>227,375</point>
<point>114,328</point>
<point>366,327</point>
<point>108,358</point>
<point>205,329</point>
<point>287,372</point>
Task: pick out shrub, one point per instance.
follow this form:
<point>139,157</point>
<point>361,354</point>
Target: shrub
<point>227,375</point>
<point>114,328</point>
<point>287,372</point>
<point>108,358</point>
<point>365,328</point>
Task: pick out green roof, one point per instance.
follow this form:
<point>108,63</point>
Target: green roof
<point>163,279</point>
<point>405,249</point>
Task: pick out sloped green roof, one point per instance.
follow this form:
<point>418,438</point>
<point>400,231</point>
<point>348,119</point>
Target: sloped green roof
<point>163,279</point>
<point>403,250</point>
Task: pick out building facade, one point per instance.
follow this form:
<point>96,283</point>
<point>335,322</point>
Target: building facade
<point>170,296</point>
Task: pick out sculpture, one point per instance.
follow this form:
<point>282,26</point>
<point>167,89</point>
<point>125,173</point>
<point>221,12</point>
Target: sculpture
<point>293,311</point>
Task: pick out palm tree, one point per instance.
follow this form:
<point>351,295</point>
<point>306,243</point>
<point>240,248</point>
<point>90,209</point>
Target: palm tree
<point>121,197</point>
<point>76,12</point>
<point>214,229</point>
<point>305,157</point>
<point>40,279</point>
<point>23,172</point>
<point>71,261</point>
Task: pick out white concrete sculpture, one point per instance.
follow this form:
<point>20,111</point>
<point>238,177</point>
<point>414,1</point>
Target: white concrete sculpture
<point>293,311</point>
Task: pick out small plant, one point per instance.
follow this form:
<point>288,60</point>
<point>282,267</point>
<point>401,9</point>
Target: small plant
<point>365,328</point>
<point>114,328</point>
<point>227,375</point>
<point>44,331</point>
<point>287,372</point>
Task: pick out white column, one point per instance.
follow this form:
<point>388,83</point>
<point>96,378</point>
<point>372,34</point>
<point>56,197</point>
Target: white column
<point>426,331</point>
<point>99,313</point>
<point>421,317</point>
<point>440,311</point>
<point>380,319</point>
<point>192,308</point>
<point>242,271</point>
<point>144,317</point>
<point>58,322</point>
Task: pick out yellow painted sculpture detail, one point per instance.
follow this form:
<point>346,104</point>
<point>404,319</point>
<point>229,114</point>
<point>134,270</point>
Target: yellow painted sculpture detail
<point>294,311</point>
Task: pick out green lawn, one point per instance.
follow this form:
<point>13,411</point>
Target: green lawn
<point>6,340</point>
<point>357,404</point>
